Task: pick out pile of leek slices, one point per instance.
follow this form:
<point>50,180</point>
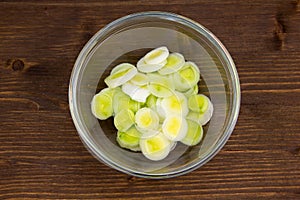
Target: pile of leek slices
<point>155,104</point>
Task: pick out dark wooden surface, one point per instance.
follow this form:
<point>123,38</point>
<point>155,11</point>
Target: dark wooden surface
<point>41,155</point>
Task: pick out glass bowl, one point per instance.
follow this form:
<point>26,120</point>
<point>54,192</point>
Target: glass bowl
<point>129,38</point>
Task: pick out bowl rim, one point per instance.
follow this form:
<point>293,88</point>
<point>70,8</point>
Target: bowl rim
<point>87,141</point>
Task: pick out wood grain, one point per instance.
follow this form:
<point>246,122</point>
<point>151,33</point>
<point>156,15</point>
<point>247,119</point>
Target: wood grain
<point>41,155</point>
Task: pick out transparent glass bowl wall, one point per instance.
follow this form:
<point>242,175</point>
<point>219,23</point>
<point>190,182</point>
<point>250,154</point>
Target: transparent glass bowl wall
<point>151,30</point>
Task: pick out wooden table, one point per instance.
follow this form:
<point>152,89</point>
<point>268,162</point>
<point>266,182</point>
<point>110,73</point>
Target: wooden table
<point>41,155</point>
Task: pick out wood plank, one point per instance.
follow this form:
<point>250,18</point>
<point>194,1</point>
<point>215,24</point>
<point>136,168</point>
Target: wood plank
<point>41,155</point>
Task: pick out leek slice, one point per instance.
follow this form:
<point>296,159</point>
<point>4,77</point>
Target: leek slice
<point>157,55</point>
<point>175,104</point>
<point>160,86</point>
<point>201,118</point>
<point>124,119</point>
<point>123,101</point>
<point>140,79</point>
<point>175,62</point>
<point>146,118</point>
<point>194,133</point>
<point>142,66</point>
<point>187,77</point>
<point>175,127</point>
<point>198,103</point>
<point>102,104</point>
<point>123,73</point>
<point>156,147</point>
<point>129,139</point>
<point>137,93</point>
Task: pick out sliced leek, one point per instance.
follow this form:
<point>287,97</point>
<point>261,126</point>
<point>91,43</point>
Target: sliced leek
<point>156,104</point>
<point>142,66</point>
<point>187,77</point>
<point>121,67</point>
<point>157,55</point>
<point>160,86</point>
<point>151,101</point>
<point>156,147</point>
<point>124,119</point>
<point>175,127</point>
<point>140,79</point>
<point>160,110</point>
<point>154,60</point>
<point>137,93</point>
<point>191,91</point>
<point>175,62</point>
<point>146,118</point>
<point>123,101</point>
<point>121,75</point>
<point>129,139</point>
<point>175,104</point>
<point>202,118</point>
<point>102,104</point>
<point>198,103</point>
<point>147,133</point>
<point>194,133</point>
